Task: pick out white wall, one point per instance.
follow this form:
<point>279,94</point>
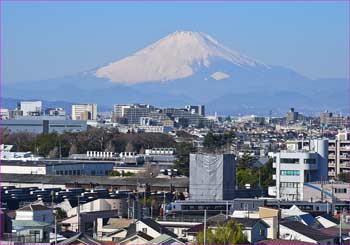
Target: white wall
<point>6,169</point>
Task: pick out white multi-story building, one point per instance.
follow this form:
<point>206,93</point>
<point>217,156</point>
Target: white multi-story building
<point>30,107</point>
<point>133,113</point>
<point>298,165</point>
<point>84,112</point>
<point>339,155</point>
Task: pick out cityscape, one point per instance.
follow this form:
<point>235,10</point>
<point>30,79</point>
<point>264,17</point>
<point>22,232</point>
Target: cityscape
<point>185,141</point>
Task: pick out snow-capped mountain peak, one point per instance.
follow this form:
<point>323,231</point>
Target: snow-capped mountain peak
<point>175,56</point>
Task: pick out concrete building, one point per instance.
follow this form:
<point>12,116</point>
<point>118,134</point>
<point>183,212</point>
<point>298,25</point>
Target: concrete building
<point>63,167</point>
<point>132,113</point>
<point>212,177</point>
<point>330,191</point>
<point>196,109</point>
<point>44,124</point>
<point>4,114</point>
<point>84,112</point>
<point>29,107</point>
<point>339,154</point>
<point>55,112</point>
<point>292,116</point>
<point>35,212</point>
<point>298,165</point>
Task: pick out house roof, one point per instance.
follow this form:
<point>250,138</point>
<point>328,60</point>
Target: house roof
<point>305,230</point>
<point>81,238</point>
<point>138,234</point>
<point>33,207</point>
<point>29,223</point>
<point>217,219</point>
<point>249,222</point>
<point>157,227</point>
<point>118,223</point>
<point>162,239</point>
<point>284,242</point>
<point>330,218</point>
<point>195,229</point>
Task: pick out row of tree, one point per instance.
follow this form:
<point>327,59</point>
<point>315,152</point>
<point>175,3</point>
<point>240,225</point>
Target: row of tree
<point>94,139</point>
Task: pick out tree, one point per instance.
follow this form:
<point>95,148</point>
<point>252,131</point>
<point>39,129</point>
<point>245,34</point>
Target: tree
<point>60,213</point>
<point>53,153</point>
<point>182,163</point>
<point>228,233</point>
<point>110,147</point>
<point>73,150</point>
<point>142,150</point>
<point>247,173</point>
<point>345,177</point>
<point>213,142</point>
<point>129,147</point>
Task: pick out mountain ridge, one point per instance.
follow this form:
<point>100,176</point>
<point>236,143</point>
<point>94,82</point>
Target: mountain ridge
<point>191,78</point>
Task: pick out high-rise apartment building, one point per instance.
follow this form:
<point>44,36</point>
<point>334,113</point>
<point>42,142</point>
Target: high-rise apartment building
<point>132,113</point>
<point>292,116</point>
<point>84,112</point>
<point>339,154</point>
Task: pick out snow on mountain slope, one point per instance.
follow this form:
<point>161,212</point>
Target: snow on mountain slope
<point>176,56</point>
<point>219,75</point>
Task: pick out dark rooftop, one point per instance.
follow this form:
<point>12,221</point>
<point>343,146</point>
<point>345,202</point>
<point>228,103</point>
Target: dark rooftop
<point>305,230</point>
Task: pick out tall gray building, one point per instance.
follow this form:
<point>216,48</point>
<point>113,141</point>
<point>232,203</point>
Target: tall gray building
<point>212,176</point>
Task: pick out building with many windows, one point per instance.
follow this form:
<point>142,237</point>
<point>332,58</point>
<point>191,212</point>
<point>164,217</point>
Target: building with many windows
<point>298,165</point>
<point>339,154</point>
<point>84,112</point>
<point>30,107</point>
<point>43,124</point>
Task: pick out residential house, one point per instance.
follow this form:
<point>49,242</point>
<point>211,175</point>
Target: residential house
<point>294,230</point>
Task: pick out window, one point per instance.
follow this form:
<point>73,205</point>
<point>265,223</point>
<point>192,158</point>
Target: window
<point>340,190</point>
<point>289,160</point>
<point>290,172</point>
<point>310,161</point>
<point>289,184</point>
<point>144,230</point>
<point>74,172</point>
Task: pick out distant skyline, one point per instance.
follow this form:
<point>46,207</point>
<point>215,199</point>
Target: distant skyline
<point>42,40</point>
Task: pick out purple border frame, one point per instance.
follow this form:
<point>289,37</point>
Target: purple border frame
<point>158,1</point>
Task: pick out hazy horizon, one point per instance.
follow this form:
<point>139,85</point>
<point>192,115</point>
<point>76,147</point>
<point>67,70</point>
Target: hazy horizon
<point>56,39</point>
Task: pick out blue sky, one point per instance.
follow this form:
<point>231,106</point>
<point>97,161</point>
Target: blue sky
<point>43,40</point>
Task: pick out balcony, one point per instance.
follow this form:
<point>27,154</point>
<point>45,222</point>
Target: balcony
<point>331,148</point>
<point>344,157</point>
<point>344,165</point>
<point>347,148</point>
<point>331,156</point>
<point>331,173</point>
<point>331,164</point>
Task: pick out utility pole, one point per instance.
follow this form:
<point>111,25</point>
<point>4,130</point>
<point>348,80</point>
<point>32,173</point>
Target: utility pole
<point>205,227</point>
<point>226,209</point>
<point>340,221</point>
<point>55,228</point>
<point>164,206</point>
<point>78,213</point>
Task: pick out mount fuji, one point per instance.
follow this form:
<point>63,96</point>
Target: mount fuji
<point>191,68</point>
